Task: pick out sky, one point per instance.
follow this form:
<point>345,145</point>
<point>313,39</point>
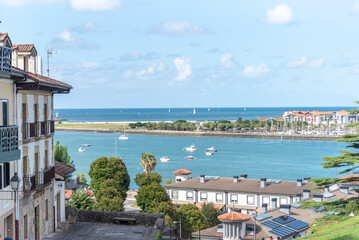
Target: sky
<point>170,53</point>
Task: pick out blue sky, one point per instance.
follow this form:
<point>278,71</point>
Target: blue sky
<point>161,53</point>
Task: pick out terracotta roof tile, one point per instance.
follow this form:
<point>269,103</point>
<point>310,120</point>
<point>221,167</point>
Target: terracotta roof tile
<point>234,217</point>
<point>24,47</point>
<point>68,194</point>
<point>63,169</point>
<point>350,176</point>
<point>182,171</point>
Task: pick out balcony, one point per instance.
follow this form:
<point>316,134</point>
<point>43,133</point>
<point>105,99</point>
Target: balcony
<point>5,59</point>
<point>9,147</point>
<point>37,129</point>
<point>44,178</point>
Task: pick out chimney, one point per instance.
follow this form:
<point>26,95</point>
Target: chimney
<point>244,176</point>
<point>298,197</point>
<point>264,207</point>
<point>326,189</point>
<point>344,189</point>
<point>202,179</point>
<point>274,202</point>
<point>235,179</point>
<point>318,197</point>
<point>306,179</point>
<point>299,183</point>
<point>285,208</point>
<point>263,182</point>
<point>306,193</point>
<point>39,65</point>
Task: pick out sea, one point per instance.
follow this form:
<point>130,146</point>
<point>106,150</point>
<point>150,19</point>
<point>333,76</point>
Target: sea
<point>259,158</point>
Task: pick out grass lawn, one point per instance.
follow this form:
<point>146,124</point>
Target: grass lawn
<point>346,230</point>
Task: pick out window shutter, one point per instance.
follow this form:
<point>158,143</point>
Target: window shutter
<point>1,176</point>
<point>6,174</point>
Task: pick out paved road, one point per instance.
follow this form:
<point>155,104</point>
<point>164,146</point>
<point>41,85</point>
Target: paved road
<point>97,231</point>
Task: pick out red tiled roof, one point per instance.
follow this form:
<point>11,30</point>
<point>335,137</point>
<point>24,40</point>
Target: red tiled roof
<point>234,216</point>
<point>182,171</point>
<point>42,79</point>
<point>24,47</point>
<point>262,119</point>
<point>63,169</point>
<point>68,194</point>
<point>343,113</point>
<point>350,176</point>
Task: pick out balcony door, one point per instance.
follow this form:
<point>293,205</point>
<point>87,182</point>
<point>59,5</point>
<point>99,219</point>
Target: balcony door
<point>4,112</point>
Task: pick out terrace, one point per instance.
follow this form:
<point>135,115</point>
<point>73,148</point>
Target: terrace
<point>5,59</point>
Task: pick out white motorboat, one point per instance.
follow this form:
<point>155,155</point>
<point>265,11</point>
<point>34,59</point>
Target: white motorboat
<point>189,157</point>
<point>211,149</point>
<point>123,137</point>
<point>164,159</point>
<point>190,149</point>
<point>86,145</point>
<point>81,149</point>
<point>209,153</point>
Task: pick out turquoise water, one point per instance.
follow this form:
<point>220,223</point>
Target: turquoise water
<point>256,157</point>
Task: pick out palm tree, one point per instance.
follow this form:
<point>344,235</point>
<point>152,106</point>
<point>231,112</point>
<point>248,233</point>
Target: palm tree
<point>148,162</point>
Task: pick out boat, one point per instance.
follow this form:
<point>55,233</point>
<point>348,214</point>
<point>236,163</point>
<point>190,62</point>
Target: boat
<point>169,110</point>
<point>123,137</point>
<point>209,153</point>
<point>194,111</point>
<point>164,159</point>
<point>189,157</point>
<point>211,149</point>
<point>86,145</point>
<point>192,148</point>
<point>81,149</point>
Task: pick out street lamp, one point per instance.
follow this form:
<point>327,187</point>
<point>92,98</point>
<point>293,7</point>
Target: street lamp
<point>14,183</point>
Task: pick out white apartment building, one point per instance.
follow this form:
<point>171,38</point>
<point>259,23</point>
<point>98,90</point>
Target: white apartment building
<point>241,193</point>
<point>39,205</point>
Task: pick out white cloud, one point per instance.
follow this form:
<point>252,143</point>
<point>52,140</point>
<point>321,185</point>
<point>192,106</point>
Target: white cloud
<point>226,60</point>
<point>305,62</point>
<point>88,26</point>
<point>356,7</point>
<point>91,65</point>
<point>281,14</point>
<point>26,2</point>
<point>94,5</point>
<point>183,67</point>
<point>177,28</point>
<point>255,71</point>
<point>147,72</point>
<point>66,40</point>
<point>135,56</point>
<point>128,74</point>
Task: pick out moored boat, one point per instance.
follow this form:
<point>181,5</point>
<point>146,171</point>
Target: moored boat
<point>164,159</point>
<point>189,157</point>
<point>81,149</point>
<point>209,153</point>
<point>211,149</point>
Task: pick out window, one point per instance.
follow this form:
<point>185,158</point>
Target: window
<point>6,174</point>
<point>45,112</point>
<point>266,200</point>
<point>5,114</point>
<point>283,201</point>
<point>47,209</point>
<point>26,232</point>
<point>46,159</point>
<point>250,200</point>
<point>1,176</point>
<point>219,197</point>
<point>189,195</point>
<point>203,196</point>
<point>234,198</point>
<point>174,194</point>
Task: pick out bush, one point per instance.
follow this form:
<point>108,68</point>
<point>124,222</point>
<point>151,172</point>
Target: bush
<point>150,196</point>
<point>192,219</point>
<point>144,179</point>
<point>110,204</point>
<point>81,200</point>
<point>211,213</point>
<point>158,236</point>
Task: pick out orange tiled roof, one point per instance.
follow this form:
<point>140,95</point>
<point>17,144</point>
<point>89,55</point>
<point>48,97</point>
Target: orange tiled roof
<point>350,176</point>
<point>234,216</point>
<point>68,194</point>
<point>218,206</point>
<point>343,112</point>
<point>317,113</point>
<point>262,119</point>
<point>24,47</point>
<point>182,171</point>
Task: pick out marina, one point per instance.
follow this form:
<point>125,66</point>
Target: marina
<point>255,157</point>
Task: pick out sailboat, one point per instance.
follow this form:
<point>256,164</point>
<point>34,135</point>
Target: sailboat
<point>194,111</point>
<point>209,109</point>
<point>123,136</point>
<point>244,109</point>
<point>169,110</point>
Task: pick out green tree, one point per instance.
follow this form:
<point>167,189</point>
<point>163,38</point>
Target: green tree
<point>148,162</point>
<point>151,195</point>
<point>166,208</point>
<point>169,181</point>
<point>110,204</point>
<point>62,155</point>
<point>191,218</point>
<point>81,200</point>
<point>144,179</point>
<point>82,177</point>
<point>211,213</point>
<point>158,236</point>
<point>113,168</point>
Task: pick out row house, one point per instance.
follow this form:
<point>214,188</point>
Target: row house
<point>317,117</point>
<point>242,193</point>
<point>39,202</point>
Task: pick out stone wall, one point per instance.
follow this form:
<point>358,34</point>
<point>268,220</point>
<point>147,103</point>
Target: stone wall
<point>148,219</point>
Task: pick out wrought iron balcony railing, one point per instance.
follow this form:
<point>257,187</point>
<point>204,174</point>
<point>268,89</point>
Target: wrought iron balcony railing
<point>5,59</point>
<point>9,144</point>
